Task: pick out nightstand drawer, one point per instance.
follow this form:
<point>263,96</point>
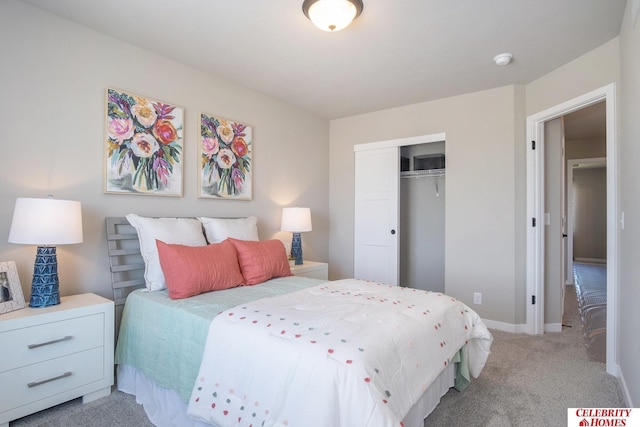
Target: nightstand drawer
<point>26,346</point>
<point>35,382</point>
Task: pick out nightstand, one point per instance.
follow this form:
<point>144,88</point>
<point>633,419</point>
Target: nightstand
<point>54,354</point>
<point>312,269</point>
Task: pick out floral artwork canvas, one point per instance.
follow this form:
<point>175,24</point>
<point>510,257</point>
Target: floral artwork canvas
<point>225,159</point>
<point>144,146</point>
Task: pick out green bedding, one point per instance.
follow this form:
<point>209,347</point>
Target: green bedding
<point>165,338</point>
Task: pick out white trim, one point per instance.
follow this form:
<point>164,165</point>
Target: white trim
<point>413,140</point>
<point>505,327</point>
<point>535,209</point>
<point>623,386</point>
<point>519,328</point>
<point>553,327</point>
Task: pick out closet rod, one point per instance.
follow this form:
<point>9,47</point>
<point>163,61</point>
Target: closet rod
<point>423,173</point>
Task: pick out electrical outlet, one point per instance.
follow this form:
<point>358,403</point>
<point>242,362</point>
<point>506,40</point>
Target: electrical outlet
<point>477,298</point>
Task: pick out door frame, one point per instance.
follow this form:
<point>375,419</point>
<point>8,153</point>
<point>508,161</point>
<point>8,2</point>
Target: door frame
<point>535,213</point>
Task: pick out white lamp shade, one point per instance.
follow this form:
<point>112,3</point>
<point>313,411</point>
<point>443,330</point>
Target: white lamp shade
<point>296,219</point>
<point>332,15</point>
<point>46,222</point>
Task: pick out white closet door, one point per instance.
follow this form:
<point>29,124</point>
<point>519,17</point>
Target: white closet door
<point>376,215</point>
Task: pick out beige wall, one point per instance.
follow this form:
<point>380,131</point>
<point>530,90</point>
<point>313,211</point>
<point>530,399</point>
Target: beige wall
<point>591,71</point>
<point>586,148</point>
<point>486,206</point>
<point>53,79</point>
<point>590,226</point>
<point>629,158</point>
<point>480,202</point>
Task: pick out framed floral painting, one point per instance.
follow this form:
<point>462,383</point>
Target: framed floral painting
<point>11,296</point>
<point>144,146</point>
<point>225,159</point>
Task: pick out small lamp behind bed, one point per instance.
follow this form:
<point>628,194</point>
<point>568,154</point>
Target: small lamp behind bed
<point>46,223</point>
<point>296,220</point>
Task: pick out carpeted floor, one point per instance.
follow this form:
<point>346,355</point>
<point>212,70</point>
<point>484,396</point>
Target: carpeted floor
<point>532,380</point>
<point>528,380</point>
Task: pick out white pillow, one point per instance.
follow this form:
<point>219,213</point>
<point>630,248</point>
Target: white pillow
<point>218,229</point>
<point>182,231</point>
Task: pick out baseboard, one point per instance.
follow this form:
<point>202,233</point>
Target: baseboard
<point>623,386</point>
<point>591,260</point>
<point>553,327</point>
<point>519,328</point>
<point>506,327</point>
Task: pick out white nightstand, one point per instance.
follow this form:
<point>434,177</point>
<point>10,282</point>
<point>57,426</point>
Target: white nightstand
<point>54,354</point>
<point>313,269</point>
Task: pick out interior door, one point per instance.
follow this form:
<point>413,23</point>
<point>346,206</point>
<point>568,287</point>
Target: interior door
<point>553,207</point>
<point>376,232</point>
<point>563,222</point>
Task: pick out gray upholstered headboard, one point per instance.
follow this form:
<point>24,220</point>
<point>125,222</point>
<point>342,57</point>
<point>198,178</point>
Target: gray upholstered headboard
<point>125,261</point>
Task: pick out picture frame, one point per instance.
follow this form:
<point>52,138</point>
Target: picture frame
<point>143,146</point>
<point>225,150</point>
<point>11,296</point>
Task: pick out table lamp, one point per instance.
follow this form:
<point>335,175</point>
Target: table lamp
<point>296,220</point>
<point>46,223</point>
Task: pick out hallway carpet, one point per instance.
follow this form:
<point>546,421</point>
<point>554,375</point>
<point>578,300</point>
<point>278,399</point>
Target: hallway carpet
<point>591,289</point>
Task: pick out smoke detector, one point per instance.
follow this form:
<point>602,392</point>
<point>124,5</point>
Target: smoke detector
<point>503,59</point>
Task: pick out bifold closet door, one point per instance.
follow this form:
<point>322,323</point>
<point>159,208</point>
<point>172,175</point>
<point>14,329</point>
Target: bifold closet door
<point>376,232</point>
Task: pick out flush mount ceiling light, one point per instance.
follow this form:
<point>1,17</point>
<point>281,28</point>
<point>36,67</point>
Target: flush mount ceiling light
<point>503,59</point>
<point>332,15</point>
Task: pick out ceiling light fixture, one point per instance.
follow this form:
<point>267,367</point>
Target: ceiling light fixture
<point>332,15</point>
<point>503,59</point>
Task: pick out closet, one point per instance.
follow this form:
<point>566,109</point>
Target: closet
<point>422,216</point>
<point>399,212</point>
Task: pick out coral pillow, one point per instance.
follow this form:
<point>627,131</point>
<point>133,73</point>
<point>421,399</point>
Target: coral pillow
<point>192,270</point>
<point>261,261</point>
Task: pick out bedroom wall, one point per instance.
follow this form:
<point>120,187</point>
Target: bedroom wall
<point>585,148</point>
<point>590,71</point>
<point>53,79</point>
<point>629,132</point>
<point>485,132</point>
<point>590,227</point>
<point>481,180</point>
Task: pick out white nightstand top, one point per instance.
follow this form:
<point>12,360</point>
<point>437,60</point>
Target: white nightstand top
<point>314,269</point>
<point>66,303</point>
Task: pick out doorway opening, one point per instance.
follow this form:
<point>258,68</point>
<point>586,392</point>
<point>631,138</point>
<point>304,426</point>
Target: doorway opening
<point>536,245</point>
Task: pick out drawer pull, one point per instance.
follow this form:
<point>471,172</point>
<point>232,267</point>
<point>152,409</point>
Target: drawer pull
<point>37,383</point>
<point>67,338</point>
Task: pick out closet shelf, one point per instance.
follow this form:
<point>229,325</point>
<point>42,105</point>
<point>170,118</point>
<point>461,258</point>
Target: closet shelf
<point>423,173</point>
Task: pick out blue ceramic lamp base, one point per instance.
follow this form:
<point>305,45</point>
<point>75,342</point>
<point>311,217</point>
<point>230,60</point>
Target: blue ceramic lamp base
<point>296,248</point>
<point>44,287</point>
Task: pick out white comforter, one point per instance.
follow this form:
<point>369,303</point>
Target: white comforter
<point>345,353</point>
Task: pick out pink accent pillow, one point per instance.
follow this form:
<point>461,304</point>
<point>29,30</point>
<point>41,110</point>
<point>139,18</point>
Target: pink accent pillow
<point>192,270</point>
<point>261,261</point>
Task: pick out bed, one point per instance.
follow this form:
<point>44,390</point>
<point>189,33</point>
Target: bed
<point>284,352</point>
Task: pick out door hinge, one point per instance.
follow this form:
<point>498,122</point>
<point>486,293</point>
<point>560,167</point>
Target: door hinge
<point>533,299</point>
<point>533,145</point>
<point>533,222</point>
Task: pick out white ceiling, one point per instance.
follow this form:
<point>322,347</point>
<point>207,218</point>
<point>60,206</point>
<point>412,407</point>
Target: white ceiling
<point>398,52</point>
